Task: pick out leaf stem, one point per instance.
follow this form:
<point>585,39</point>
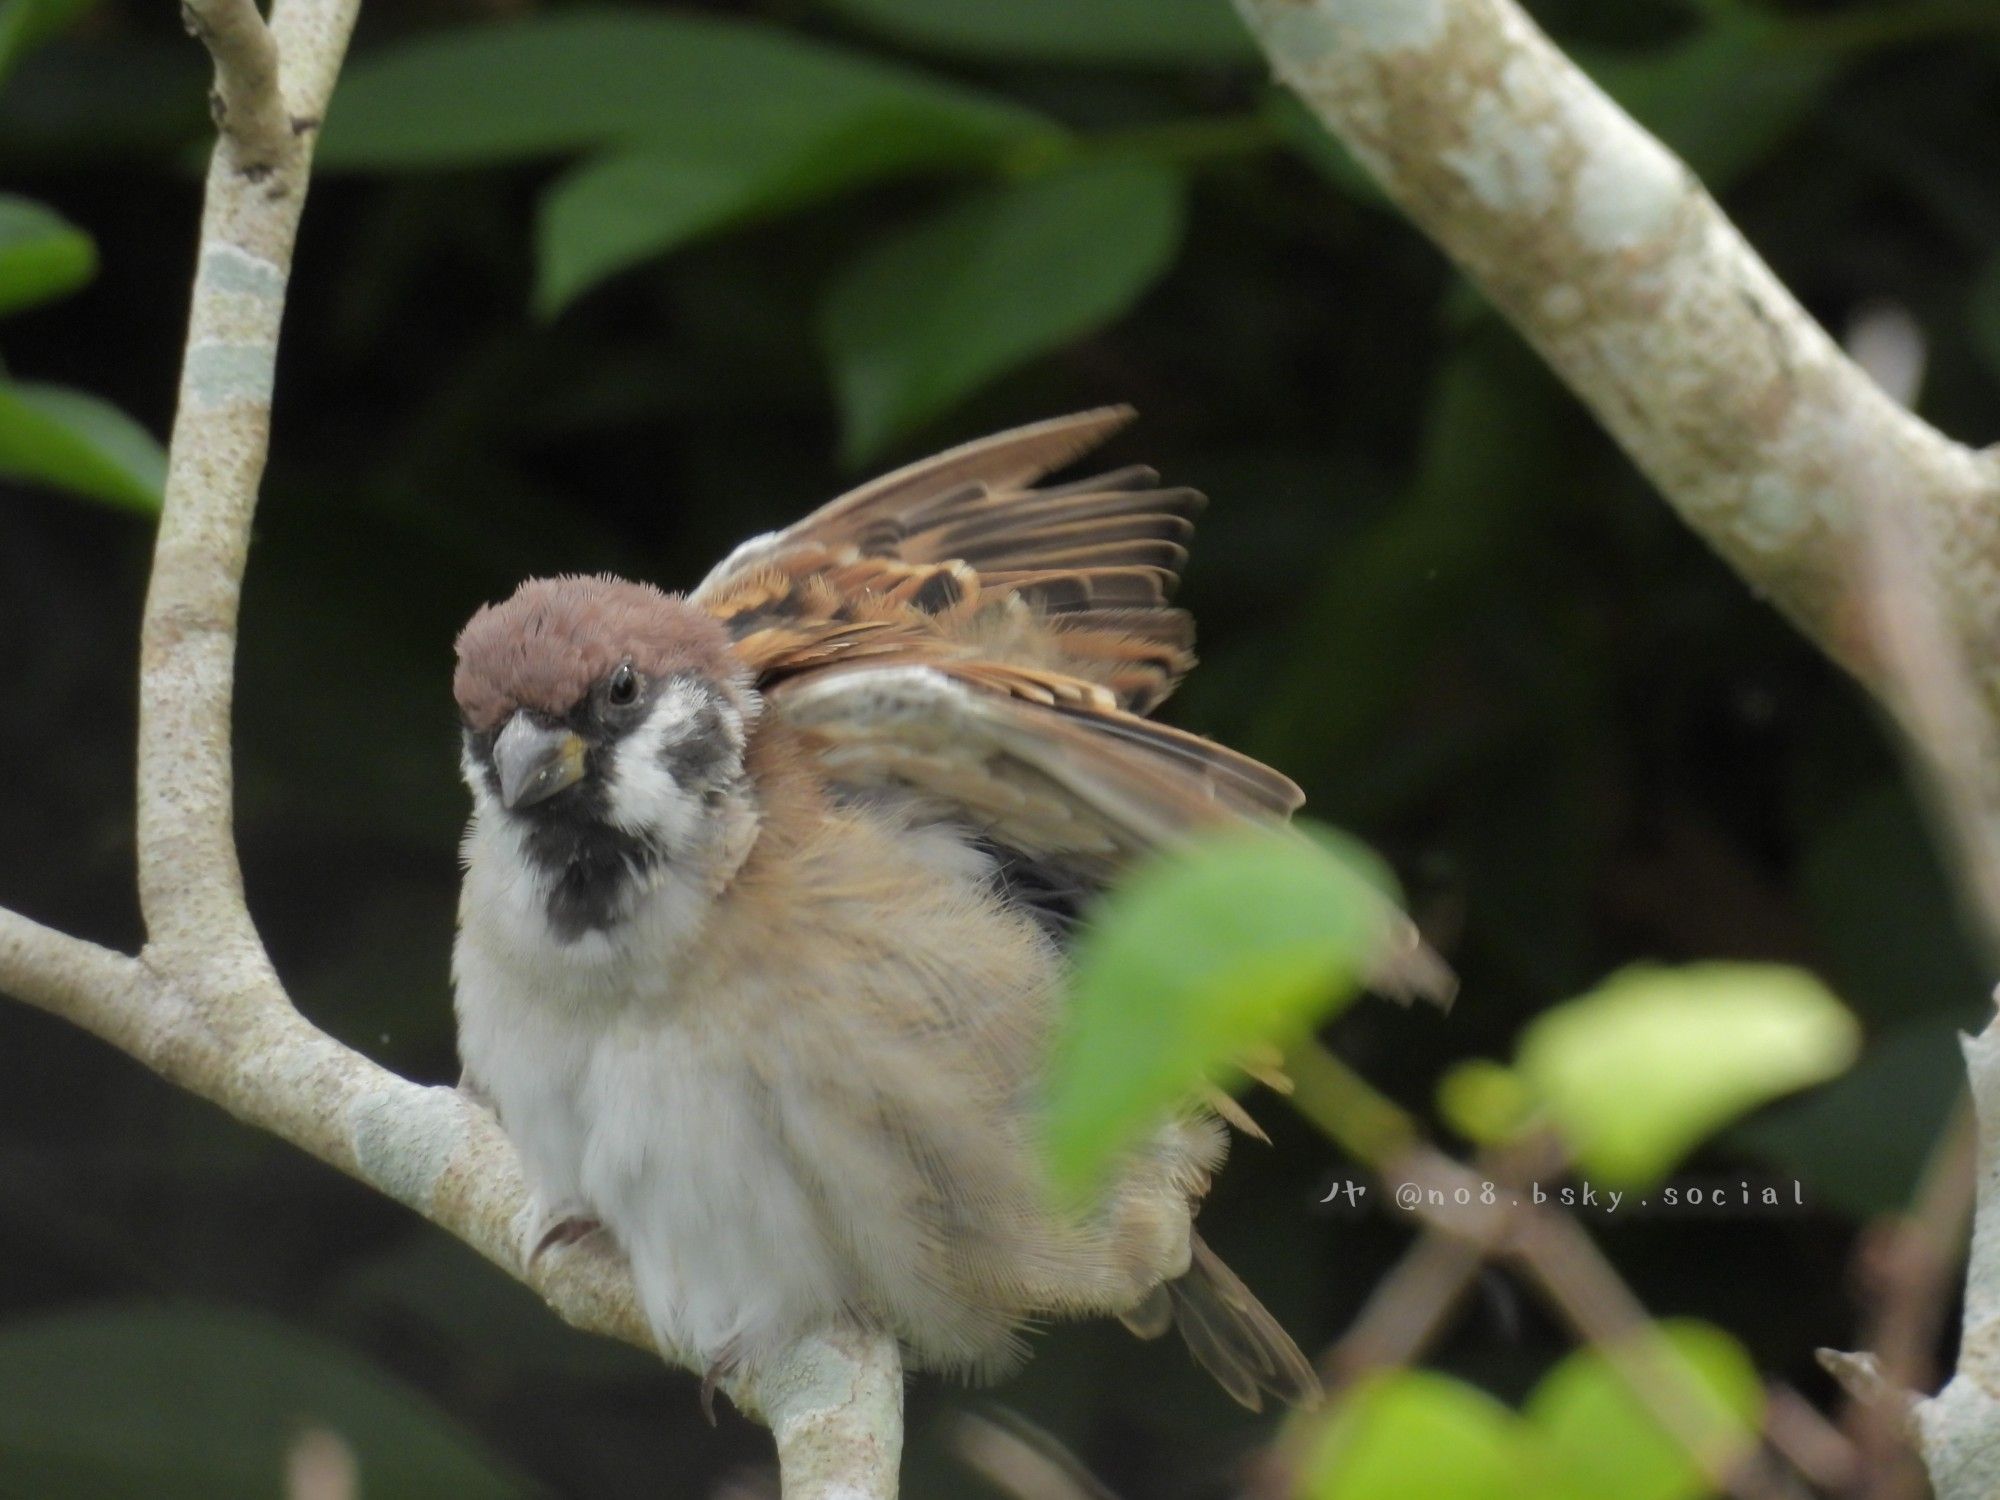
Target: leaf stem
<point>1358,1118</point>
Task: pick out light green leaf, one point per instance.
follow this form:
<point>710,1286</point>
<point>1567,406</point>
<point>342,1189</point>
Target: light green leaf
<point>1643,1068</point>
<point>74,441</point>
<point>1416,1433</point>
<point>1604,1441</point>
<point>42,254</point>
<point>935,310</point>
<point>1147,32</point>
<point>1725,98</point>
<point>571,81</point>
<point>188,1403</point>
<point>1241,938</point>
<point>1485,1101</point>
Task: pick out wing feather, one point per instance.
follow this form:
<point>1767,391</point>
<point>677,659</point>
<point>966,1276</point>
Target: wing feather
<point>1032,764</point>
<point>1097,559</point>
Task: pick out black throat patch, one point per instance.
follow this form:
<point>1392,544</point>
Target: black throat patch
<point>591,866</point>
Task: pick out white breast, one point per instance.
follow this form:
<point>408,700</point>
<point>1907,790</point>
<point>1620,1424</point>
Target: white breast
<point>626,1108</point>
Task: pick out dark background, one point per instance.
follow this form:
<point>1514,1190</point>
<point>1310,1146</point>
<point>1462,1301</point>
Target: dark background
<point>1429,589</point>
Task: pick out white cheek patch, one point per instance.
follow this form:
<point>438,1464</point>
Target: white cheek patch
<point>645,796</point>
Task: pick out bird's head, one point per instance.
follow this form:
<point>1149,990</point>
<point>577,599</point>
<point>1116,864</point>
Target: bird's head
<point>608,720</point>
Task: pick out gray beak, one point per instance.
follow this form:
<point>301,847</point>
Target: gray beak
<point>535,763</point>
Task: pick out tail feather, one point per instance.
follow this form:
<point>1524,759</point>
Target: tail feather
<point>1235,1339</point>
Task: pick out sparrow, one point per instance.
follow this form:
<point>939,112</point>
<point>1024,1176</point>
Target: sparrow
<point>768,887</point>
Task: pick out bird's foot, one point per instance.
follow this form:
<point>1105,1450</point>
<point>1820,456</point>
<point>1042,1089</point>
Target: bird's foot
<point>541,1227</point>
<point>719,1369</point>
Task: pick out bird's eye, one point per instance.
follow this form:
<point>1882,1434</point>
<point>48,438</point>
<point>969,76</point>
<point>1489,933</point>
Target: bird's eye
<point>623,688</point>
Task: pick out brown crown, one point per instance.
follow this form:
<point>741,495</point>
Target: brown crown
<point>545,647</point>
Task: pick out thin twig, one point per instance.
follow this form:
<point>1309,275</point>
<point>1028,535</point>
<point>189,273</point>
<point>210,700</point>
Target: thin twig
<point>1801,1434</point>
<point>247,100</point>
<point>202,1005</point>
<point>1551,1249</point>
<point>1908,1266</point>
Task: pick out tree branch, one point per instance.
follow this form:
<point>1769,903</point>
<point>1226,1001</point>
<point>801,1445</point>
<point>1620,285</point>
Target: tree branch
<point>1877,535</point>
<point>202,1005</point>
<point>1605,252</point>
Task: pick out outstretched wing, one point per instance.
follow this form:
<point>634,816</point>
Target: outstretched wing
<point>1096,560</point>
<point>955,635</point>
<point>1036,762</point>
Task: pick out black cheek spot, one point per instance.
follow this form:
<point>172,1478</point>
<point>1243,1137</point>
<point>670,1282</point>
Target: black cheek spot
<point>698,756</point>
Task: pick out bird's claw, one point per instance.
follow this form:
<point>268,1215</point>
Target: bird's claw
<point>542,1229</point>
<point>721,1367</point>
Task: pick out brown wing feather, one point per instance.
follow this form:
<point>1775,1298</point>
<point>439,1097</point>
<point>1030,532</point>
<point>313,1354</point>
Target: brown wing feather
<point>1044,764</point>
<point>990,649</point>
<point>1097,559</point>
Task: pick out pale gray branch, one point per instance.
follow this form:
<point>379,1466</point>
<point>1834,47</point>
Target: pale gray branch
<point>1604,250</point>
<point>1959,1428</point>
<point>1606,253</point>
<point>202,1005</point>
<point>248,105</point>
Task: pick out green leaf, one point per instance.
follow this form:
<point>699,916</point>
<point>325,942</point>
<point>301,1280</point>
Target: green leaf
<point>26,24</point>
<point>1725,98</point>
<point>202,1403</point>
<point>42,254</point>
<point>74,441</point>
<point>1860,1144</point>
<point>1147,32</point>
<point>1414,1432</point>
<point>1604,1441</point>
<point>1485,1101</point>
<point>1643,1068</point>
<point>568,82</point>
<point>1320,148</point>
<point>935,310</point>
<point>615,211</point>
<point>1241,938</point>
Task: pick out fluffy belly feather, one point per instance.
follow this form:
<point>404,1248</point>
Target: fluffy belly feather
<point>680,1163</point>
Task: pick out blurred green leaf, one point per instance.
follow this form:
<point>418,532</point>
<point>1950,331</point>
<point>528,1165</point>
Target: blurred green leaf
<point>203,1403</point>
<point>1413,1432</point>
<point>1604,1441</point>
<point>1726,97</point>
<point>1241,938</point>
<point>567,82</point>
<point>617,210</point>
<point>42,254</point>
<point>1321,149</point>
<point>1172,32</point>
<point>936,309</point>
<point>468,1305</point>
<point>1883,913</point>
<point>1984,315</point>
<point>25,24</point>
<point>1861,1142</point>
<point>1484,1101</point>
<point>74,441</point>
<point>1639,1071</point>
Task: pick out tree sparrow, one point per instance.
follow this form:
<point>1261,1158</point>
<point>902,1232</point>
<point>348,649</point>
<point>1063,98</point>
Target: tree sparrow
<point>766,895</point>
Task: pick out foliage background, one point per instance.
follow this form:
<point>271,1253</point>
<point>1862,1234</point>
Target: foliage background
<point>1429,589</point>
